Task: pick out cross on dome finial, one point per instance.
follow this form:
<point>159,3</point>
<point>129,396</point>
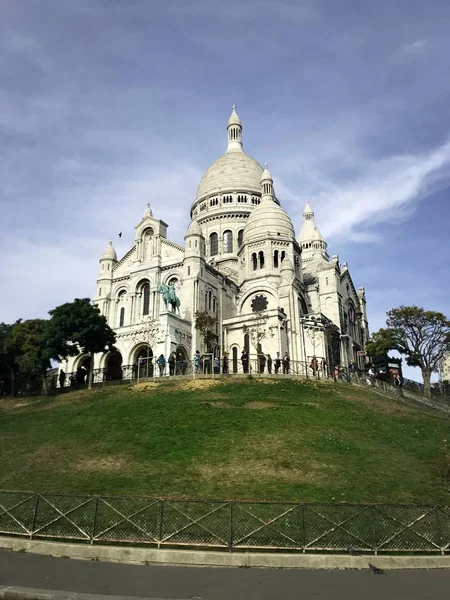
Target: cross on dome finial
<point>266,166</point>
<point>234,107</point>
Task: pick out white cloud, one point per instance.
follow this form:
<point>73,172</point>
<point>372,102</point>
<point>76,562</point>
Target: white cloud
<point>383,191</point>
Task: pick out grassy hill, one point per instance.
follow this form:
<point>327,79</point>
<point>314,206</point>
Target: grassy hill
<point>233,439</point>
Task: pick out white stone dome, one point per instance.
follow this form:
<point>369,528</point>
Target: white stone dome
<point>310,233</point>
<point>268,219</point>
<point>194,228</point>
<point>109,253</point>
<point>232,171</point>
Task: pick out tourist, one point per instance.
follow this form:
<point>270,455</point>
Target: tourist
<point>62,379</point>
<point>269,364</point>
<point>225,364</point>
<point>161,362</point>
<point>216,365</point>
<point>197,362</point>
<point>286,361</point>
<point>336,373</point>
<point>261,362</point>
<point>244,360</point>
<point>172,360</point>
<point>398,383</point>
<point>314,365</point>
<point>277,362</point>
<point>371,376</point>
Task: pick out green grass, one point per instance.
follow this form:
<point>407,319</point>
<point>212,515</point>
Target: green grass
<point>240,439</point>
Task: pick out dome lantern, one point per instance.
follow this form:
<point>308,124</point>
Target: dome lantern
<point>234,132</point>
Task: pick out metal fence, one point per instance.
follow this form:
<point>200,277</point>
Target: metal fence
<point>231,526</point>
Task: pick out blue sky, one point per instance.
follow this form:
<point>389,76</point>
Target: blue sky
<point>108,104</point>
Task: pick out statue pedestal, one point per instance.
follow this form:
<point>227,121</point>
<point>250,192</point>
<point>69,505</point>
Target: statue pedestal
<point>178,332</point>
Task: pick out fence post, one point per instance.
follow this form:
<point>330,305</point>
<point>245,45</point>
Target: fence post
<point>230,537</point>
<point>94,524</point>
<point>34,516</point>
<point>374,540</point>
<point>303,527</point>
<point>161,516</point>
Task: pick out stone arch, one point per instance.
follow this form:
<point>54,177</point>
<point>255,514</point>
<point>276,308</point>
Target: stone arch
<point>113,366</point>
<point>82,367</point>
<point>142,360</point>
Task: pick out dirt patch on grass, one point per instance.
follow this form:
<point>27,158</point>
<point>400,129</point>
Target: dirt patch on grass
<point>218,404</point>
<point>197,384</point>
<point>260,405</point>
<point>236,469</point>
<point>145,387</point>
<point>105,464</point>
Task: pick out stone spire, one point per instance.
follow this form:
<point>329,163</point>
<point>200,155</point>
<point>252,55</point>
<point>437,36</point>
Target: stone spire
<point>267,191</point>
<point>310,239</point>
<point>234,132</point>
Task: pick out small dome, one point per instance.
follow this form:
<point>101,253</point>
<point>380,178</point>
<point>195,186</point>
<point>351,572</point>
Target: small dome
<point>109,253</point>
<point>309,232</point>
<point>194,228</point>
<point>268,219</point>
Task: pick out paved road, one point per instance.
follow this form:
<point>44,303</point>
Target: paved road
<point>45,572</point>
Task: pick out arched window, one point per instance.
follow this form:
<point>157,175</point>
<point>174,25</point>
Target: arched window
<point>254,261</point>
<point>122,317</point>
<point>146,299</point>
<point>261,259</point>
<point>283,255</point>
<point>227,241</point>
<point>189,270</point>
<point>240,237</point>
<point>209,299</point>
<point>213,244</point>
<point>275,259</point>
<point>214,305</point>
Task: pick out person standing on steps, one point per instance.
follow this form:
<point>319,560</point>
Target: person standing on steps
<point>244,361</point>
<point>286,362</point>
<point>277,362</point>
<point>269,364</point>
<point>225,364</point>
<point>161,361</point>
<point>197,362</point>
<point>62,379</point>
<point>172,361</point>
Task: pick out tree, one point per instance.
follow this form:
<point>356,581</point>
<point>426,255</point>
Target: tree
<point>29,344</point>
<point>79,327</point>
<point>205,324</point>
<point>257,329</point>
<point>8,361</point>
<point>423,337</point>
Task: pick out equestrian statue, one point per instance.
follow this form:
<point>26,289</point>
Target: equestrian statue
<point>169,296</point>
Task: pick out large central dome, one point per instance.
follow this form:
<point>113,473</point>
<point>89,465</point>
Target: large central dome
<point>232,171</point>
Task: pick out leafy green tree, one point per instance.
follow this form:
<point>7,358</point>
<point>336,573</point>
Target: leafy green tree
<point>28,343</point>
<point>8,363</point>
<point>79,327</point>
<point>423,337</point>
<point>205,324</point>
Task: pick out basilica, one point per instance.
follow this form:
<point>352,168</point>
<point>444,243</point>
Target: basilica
<point>267,289</point>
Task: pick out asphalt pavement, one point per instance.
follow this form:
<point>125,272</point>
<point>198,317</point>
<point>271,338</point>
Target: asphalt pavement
<point>205,583</point>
